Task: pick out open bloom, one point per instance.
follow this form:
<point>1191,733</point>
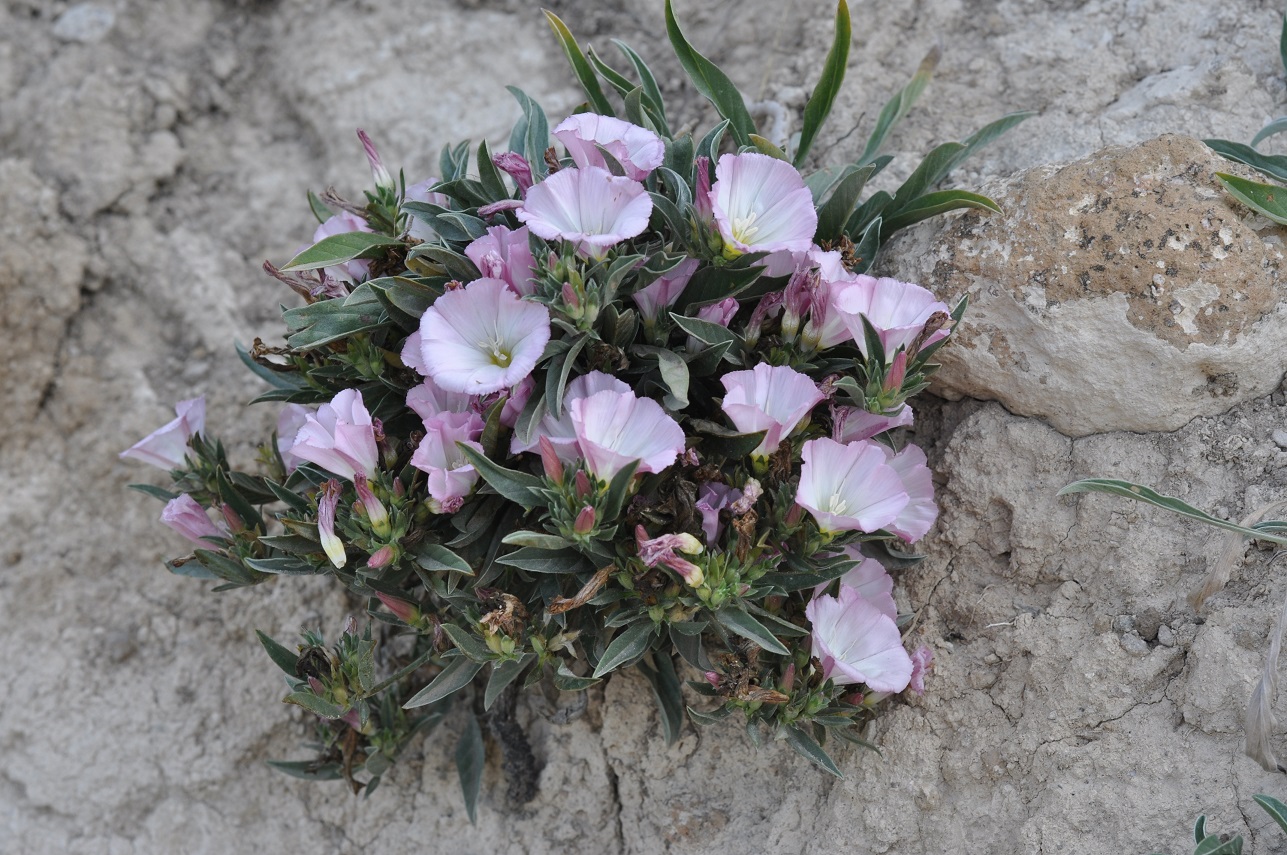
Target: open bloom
<point>504,253</point>
<point>870,579</point>
<point>339,437</point>
<point>559,433</point>
<point>344,222</point>
<point>897,310</point>
<point>663,291</point>
<point>429,400</point>
<point>760,204</point>
<point>849,487</point>
<point>638,150</point>
<point>167,446</point>
<point>289,421</point>
<point>775,399</point>
<point>590,207</point>
<point>856,643</point>
<point>614,429</point>
<point>184,515</point>
<point>915,520</point>
<point>482,338</point>
<point>451,475</point>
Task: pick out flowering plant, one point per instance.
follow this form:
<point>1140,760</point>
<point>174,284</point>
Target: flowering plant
<point>593,405</point>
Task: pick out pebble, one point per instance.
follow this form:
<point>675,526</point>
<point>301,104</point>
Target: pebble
<point>1280,438</point>
<point>85,23</point>
<point>1165,636</point>
<point>1134,645</point>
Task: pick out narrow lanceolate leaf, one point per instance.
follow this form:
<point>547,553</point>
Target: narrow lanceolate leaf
<point>516,486</point>
<point>467,643</point>
<point>1268,199</point>
<point>504,673</point>
<point>1213,845</point>
<point>1200,829</point>
<point>470,758</point>
<point>580,66</point>
<point>652,93</point>
<point>933,204</point>
<point>629,644</point>
<point>1275,166</point>
<point>1140,493</point>
<point>824,94</point>
<point>437,558</point>
<point>536,133</point>
<point>835,212</point>
<point>987,134</point>
<point>308,770</point>
<point>1277,126</point>
<point>898,106</point>
<point>314,704</point>
<point>337,249</point>
<point>456,676</point>
<point>750,628</point>
<point>665,689</point>
<point>711,82</point>
<point>764,146</point>
<point>283,658</point>
<point>705,331</point>
<point>808,748</point>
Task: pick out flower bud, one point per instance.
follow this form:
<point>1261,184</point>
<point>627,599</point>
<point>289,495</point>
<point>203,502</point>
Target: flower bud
<point>184,515</point>
<point>788,678</point>
<point>550,460</point>
<point>702,196</point>
<point>383,179</point>
<point>897,373</point>
<point>585,521</point>
<point>515,166</point>
<point>406,612</point>
<point>582,482</point>
<point>375,512</point>
<point>326,504</point>
<point>687,570</point>
<point>713,678</point>
<point>382,557</point>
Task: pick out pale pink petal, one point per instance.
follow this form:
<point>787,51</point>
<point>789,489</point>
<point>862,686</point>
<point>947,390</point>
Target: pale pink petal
<point>897,310</point>
<point>638,150</point>
<point>761,204</point>
<point>185,516</point>
<point>771,398</point>
<point>915,520</point>
<point>560,432</point>
<point>850,424</point>
<point>429,400</point>
<point>857,644</point>
<point>505,253</point>
<point>665,290</point>
<point>167,446</point>
<point>849,487</point>
<point>590,207</point>
<point>613,429</point>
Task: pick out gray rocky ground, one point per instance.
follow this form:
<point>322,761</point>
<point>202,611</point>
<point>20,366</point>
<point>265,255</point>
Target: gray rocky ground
<point>154,152</point>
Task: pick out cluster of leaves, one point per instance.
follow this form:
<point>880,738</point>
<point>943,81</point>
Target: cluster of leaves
<point>515,589</point>
<point>1218,844</point>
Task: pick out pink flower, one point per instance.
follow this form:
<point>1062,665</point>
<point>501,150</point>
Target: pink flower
<point>339,437</point>
<point>870,580</point>
<point>590,207</point>
<point>515,166</point>
<point>451,475</point>
<point>827,326</point>
<point>712,498</point>
<point>915,520</point>
<point>775,399</point>
<point>638,150</point>
<point>184,515</point>
<point>419,192</point>
<point>761,204</point>
<point>664,290</point>
<point>379,173</point>
<point>560,433</point>
<point>516,400</point>
<point>504,253</point>
<point>850,424</point>
<point>289,421</point>
<point>849,487</point>
<point>344,222</point>
<point>482,338</point>
<point>614,429</point>
<point>429,400</point>
<point>167,446</point>
<point>662,550</point>
<point>411,354</point>
<point>721,313</point>
<point>857,644</point>
<point>897,310</point>
<point>922,661</point>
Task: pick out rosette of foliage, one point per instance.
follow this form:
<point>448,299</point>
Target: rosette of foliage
<point>613,398</point>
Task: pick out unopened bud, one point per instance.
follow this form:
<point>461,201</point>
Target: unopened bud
<point>383,179</point>
<point>550,460</point>
<point>326,504</point>
<point>687,570</point>
<point>582,482</point>
<point>702,196</point>
<point>897,372</point>
<point>713,678</point>
<point>382,557</point>
<point>688,544</point>
<point>231,517</point>
<point>516,167</point>
<point>795,515</point>
<point>375,512</point>
<point>788,678</point>
<point>570,298</point>
<point>585,521</point>
<point>406,612</point>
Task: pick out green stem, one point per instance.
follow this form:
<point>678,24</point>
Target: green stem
<point>405,671</point>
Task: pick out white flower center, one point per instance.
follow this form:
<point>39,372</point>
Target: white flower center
<point>496,350</point>
<point>836,505</point>
<point>745,229</point>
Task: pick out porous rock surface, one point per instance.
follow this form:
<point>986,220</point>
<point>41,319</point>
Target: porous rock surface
<point>1139,246</point>
<point>153,154</point>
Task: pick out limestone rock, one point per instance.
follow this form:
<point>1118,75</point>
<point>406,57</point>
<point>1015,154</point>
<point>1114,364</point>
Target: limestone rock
<point>1124,291</point>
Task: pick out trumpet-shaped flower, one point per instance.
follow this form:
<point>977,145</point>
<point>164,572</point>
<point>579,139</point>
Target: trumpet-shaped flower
<point>167,446</point>
<point>185,516</point>
<point>504,253</point>
<point>339,437</point>
<point>849,487</point>
<point>897,310</point>
<point>638,150</point>
<point>451,475</point>
<point>429,400</point>
<point>559,432</point>
<point>713,497</point>
<point>915,520</point>
<point>482,338</point>
<point>775,399</point>
<point>664,290</point>
<point>613,429</point>
<point>870,579</point>
<point>289,421</point>
<point>590,207</point>
<point>856,643</point>
<point>344,222</point>
<point>760,204</point>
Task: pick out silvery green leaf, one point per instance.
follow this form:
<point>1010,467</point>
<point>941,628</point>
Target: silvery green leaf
<point>437,558</point>
<point>898,106</point>
<point>749,628</point>
<point>340,248</point>
<point>470,758</point>
<point>281,656</point>
<point>1274,166</point>
<point>308,770</point>
<point>711,82</point>
<point>1277,810</point>
<point>516,486</point>
<point>660,672</point>
<point>628,645</point>
<point>314,704</point>
<point>467,643</point>
<point>824,94</point>
<point>580,67</point>
<point>456,676</point>
<point>1277,126</point>
<point>807,747</point>
<point>504,673</point>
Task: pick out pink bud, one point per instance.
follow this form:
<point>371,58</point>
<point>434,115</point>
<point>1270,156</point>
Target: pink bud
<point>795,515</point>
<point>317,687</point>
<point>406,612</point>
<point>570,298</point>
<point>382,557</point>
<point>235,524</point>
<point>897,372</point>
<point>327,502</point>
<point>381,175</point>
<point>184,515</point>
<point>375,512</point>
<point>688,571</point>
<point>582,482</point>
<point>515,166</point>
<point>788,678</point>
<point>584,521</point>
<point>550,460</point>
<point>713,678</point>
<point>702,196</point>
